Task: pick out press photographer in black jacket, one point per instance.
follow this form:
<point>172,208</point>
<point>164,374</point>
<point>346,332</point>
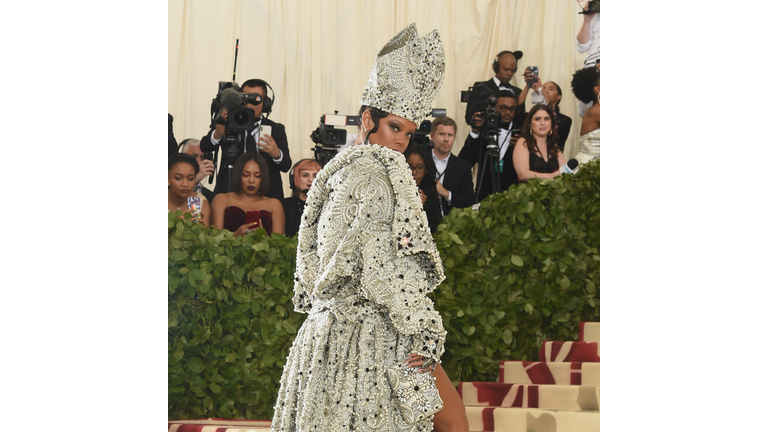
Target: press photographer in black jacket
<point>273,147</point>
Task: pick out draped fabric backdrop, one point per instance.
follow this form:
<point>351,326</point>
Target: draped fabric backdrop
<point>317,55</point>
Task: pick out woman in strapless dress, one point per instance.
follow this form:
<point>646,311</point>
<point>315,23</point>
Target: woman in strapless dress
<point>247,208</point>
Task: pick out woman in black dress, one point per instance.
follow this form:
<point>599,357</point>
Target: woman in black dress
<point>537,153</point>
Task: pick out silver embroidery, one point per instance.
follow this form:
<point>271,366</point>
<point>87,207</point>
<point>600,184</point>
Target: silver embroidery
<point>365,295</point>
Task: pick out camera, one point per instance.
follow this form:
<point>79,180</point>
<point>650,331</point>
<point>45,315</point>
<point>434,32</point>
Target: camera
<point>592,7</point>
<point>421,137</point>
<point>331,135</point>
<point>240,120</point>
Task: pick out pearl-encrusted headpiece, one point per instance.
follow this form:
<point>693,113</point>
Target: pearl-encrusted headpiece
<point>407,75</point>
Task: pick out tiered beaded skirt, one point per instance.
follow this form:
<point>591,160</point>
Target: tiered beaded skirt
<point>334,379</point>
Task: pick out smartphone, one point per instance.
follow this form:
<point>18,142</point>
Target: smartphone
<point>265,130</point>
<point>252,216</point>
<point>535,71</point>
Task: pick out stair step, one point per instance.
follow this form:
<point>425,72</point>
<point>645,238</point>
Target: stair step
<point>589,331</point>
<point>531,420</point>
<point>546,396</point>
<point>561,351</point>
<point>565,373</point>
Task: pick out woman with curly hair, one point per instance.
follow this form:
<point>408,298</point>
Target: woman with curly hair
<point>586,87</point>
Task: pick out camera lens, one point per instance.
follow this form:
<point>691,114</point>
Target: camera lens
<point>333,136</point>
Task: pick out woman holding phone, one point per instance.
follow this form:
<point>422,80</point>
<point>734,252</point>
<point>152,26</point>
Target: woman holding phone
<point>246,208</point>
<point>182,170</point>
<point>365,263</point>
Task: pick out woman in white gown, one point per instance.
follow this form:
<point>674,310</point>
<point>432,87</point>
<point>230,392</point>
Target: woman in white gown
<point>365,263</point>
<point>586,87</point>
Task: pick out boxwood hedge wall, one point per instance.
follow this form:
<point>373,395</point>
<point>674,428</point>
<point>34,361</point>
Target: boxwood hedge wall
<point>521,269</point>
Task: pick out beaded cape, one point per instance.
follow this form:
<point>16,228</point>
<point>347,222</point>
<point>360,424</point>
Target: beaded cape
<point>365,262</point>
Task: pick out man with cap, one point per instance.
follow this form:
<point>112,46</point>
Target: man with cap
<point>504,67</point>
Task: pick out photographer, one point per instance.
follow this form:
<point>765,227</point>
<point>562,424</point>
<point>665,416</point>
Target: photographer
<point>504,68</point>
<point>274,146</point>
<point>550,94</point>
<point>508,133</point>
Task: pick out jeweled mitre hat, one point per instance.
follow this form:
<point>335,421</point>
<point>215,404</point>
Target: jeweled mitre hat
<point>407,75</point>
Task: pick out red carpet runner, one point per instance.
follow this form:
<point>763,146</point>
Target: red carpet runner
<point>559,393</point>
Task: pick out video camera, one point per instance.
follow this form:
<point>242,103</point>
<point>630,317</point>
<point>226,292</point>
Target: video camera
<point>331,135</point>
<point>486,106</point>
<point>421,137</point>
<point>240,119</point>
<point>231,97</point>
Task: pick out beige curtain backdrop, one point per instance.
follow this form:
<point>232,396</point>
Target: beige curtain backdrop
<point>317,55</point>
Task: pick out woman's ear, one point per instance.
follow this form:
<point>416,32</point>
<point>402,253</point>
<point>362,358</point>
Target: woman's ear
<point>367,120</point>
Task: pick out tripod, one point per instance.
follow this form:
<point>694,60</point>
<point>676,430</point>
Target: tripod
<point>232,146</point>
<point>491,159</point>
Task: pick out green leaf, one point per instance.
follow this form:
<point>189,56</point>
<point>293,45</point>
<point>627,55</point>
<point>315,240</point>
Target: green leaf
<point>214,388</point>
<point>565,282</point>
<point>455,238</point>
<point>506,336</point>
<point>179,255</point>
<point>516,260</point>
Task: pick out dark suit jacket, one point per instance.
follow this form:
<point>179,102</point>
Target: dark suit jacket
<point>474,153</point>
<point>294,208</point>
<point>480,92</point>
<point>563,129</point>
<point>458,180</point>
<point>173,146</point>
<point>275,181</point>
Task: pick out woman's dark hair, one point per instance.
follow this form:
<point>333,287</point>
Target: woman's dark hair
<point>552,138</point>
<point>559,93</point>
<point>183,158</point>
<point>376,115</point>
<point>584,82</point>
<point>428,182</point>
<point>237,172</point>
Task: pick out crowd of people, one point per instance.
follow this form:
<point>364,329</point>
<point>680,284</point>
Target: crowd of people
<point>382,187</point>
<point>532,148</point>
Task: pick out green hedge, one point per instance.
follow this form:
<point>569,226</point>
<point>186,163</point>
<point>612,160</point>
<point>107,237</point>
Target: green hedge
<point>522,269</point>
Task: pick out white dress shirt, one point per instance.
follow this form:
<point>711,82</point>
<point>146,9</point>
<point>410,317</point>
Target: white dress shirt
<point>441,165</point>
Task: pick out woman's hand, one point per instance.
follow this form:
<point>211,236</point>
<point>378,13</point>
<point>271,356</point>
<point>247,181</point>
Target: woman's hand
<point>247,228</point>
<point>422,196</point>
<point>415,360</point>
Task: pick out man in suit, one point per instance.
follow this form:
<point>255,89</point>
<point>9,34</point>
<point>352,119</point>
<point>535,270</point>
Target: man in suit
<point>475,146</point>
<point>504,67</point>
<point>454,175</point>
<point>273,147</point>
